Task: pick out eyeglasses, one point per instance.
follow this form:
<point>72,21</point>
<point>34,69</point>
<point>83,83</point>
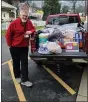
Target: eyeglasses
<point>25,16</point>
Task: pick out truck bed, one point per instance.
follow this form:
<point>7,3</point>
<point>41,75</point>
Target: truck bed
<point>64,54</point>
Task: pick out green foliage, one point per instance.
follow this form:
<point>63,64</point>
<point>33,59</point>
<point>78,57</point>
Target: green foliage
<point>51,7</point>
<point>3,32</point>
<point>39,27</point>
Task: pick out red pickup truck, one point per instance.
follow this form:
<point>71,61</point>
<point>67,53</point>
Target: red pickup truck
<point>59,20</point>
<point>63,18</point>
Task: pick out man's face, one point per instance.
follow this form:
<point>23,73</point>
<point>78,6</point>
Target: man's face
<point>24,16</point>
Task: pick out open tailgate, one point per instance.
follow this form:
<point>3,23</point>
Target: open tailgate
<point>64,54</point>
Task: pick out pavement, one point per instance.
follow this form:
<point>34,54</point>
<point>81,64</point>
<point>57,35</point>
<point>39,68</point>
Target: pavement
<point>82,93</point>
<point>51,83</point>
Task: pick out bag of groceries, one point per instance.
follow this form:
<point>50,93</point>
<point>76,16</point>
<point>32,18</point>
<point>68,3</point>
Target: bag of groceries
<point>53,47</point>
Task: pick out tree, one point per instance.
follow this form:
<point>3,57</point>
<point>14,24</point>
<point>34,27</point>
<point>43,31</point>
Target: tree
<point>65,9</point>
<point>74,5</point>
<point>80,9</point>
<point>51,7</point>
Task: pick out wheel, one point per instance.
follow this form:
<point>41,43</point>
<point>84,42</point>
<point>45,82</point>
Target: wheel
<point>81,65</point>
<point>38,63</point>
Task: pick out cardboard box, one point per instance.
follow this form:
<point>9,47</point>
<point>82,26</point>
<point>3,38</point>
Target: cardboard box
<point>72,46</point>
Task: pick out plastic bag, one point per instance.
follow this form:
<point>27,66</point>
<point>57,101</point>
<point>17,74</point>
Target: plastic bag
<point>54,47</point>
<point>56,35</point>
<point>43,49</point>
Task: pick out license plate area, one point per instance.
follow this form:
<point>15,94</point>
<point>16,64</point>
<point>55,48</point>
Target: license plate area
<point>58,59</point>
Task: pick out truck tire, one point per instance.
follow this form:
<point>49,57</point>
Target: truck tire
<point>38,63</point>
<point>82,65</point>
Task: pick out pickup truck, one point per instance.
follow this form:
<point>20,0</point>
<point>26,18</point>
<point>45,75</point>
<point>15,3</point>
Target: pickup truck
<point>59,20</point>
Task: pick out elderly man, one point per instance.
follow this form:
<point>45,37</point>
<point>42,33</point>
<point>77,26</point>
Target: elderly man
<point>17,38</point>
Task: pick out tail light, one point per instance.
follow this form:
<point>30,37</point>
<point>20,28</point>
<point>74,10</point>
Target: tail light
<point>32,42</point>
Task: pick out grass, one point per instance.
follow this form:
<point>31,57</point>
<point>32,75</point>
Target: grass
<point>39,27</point>
<point>3,32</point>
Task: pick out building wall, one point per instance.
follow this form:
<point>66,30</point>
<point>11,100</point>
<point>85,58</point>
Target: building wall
<point>5,16</point>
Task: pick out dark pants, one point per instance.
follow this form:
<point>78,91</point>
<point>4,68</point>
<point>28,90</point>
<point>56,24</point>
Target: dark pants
<point>20,54</point>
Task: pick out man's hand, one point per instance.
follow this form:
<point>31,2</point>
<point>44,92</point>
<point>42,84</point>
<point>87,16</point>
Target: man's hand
<point>9,46</point>
<point>28,32</point>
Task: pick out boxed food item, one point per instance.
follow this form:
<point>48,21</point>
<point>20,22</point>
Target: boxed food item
<point>43,38</point>
<point>77,37</point>
<point>72,46</point>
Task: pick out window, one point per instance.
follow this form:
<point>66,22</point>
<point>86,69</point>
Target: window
<point>73,19</point>
<point>63,20</point>
<point>59,20</point>
<point>53,20</point>
<point>4,14</point>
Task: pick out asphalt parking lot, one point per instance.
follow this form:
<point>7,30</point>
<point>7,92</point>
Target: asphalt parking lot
<point>50,83</point>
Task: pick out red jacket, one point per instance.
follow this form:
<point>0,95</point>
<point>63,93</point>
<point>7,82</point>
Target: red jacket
<point>15,33</point>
